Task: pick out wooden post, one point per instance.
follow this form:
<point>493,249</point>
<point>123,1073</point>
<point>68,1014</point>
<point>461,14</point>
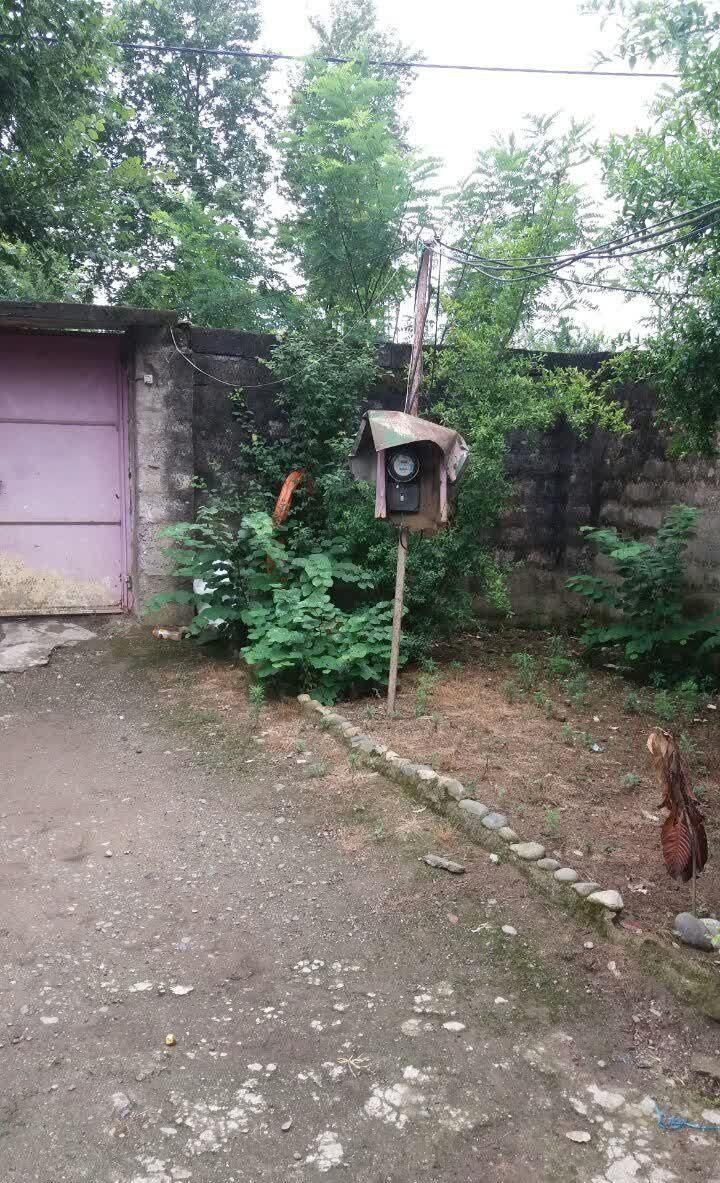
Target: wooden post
<point>397,618</point>
<point>412,399</point>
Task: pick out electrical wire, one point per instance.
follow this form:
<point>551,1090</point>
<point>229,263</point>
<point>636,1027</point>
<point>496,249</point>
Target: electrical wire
<point>331,59</point>
<point>688,216</point>
<point>548,267</point>
<point>221,381</point>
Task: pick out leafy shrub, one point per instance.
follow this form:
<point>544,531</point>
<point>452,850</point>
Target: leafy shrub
<point>277,605</point>
<point>647,595</point>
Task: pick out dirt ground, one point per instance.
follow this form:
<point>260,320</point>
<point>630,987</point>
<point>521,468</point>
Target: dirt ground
<point>350,1011</point>
<point>572,772</point>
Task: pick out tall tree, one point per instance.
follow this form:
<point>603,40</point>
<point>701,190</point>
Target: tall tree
<point>54,107</point>
<point>669,170</point>
<point>203,119</point>
<point>357,192</point>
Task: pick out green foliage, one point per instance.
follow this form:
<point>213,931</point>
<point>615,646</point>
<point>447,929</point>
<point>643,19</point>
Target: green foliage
<point>632,703</point>
<point>525,668</point>
<point>297,635</point>
<point>647,594</point>
<point>551,821</point>
<point>631,780</point>
<point>355,190</point>
<point>664,170</point>
<point>256,699</point>
<point>425,685</point>
<point>278,604</point>
<point>199,119</point>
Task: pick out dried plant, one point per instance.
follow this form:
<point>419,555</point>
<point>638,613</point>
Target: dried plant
<point>684,841</point>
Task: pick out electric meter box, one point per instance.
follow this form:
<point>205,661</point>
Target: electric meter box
<point>415,465</point>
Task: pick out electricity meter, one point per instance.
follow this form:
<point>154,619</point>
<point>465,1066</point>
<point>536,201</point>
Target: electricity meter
<point>403,480</point>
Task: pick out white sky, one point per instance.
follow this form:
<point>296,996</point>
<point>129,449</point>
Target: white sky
<point>451,115</point>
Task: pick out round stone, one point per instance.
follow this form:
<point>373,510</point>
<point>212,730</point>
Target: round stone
<point>529,851</point>
<point>493,821</point>
<point>585,889</point>
<point>507,834</point>
<point>607,899</point>
<point>548,864</point>
<point>474,808</point>
<point>451,787</point>
<point>566,875</point>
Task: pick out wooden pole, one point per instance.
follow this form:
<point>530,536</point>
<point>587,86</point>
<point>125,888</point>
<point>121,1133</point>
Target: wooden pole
<point>397,618</point>
<point>412,399</point>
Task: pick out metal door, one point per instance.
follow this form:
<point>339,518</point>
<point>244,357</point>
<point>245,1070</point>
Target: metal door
<point>63,474</point>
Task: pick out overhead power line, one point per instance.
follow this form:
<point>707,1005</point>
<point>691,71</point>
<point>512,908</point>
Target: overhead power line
<point>141,47</point>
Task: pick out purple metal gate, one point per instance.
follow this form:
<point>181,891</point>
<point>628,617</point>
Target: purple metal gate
<point>63,475</point>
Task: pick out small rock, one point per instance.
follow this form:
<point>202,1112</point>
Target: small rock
<point>509,930</point>
<point>452,1025</point>
<point>507,834</point>
<point>499,1001</point>
<point>180,990</point>
<point>474,808</point>
<point>548,864</point>
<point>445,864</point>
<point>529,851</point>
<point>711,1116</point>
<point>121,1104</point>
<point>451,787</point>
<point>48,1020</point>
<point>170,1041</point>
<point>578,1135</point>
<point>695,932</point>
<point>607,899</point>
<point>493,821</point>
<point>706,1066</point>
<point>566,875</point>
<point>108,854</point>
<point>494,858</point>
<point>585,889</point>
<point>286,1125</point>
<point>588,945</point>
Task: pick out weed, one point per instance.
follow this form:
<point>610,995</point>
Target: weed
<point>354,760</point>
<point>543,702</point>
<point>371,711</point>
<point>558,663</point>
<point>664,706</point>
<point>688,746</point>
<point>631,780</point>
<point>632,703</point>
<point>525,668</point>
<point>428,665</point>
<point>688,696</point>
<point>567,734</point>
<point>456,666</point>
<point>700,791</point>
<point>256,699</point>
<point>318,770</point>
<point>511,690</point>
<point>300,745</point>
<point>552,821</point>
<point>576,688</point>
<point>423,690</point>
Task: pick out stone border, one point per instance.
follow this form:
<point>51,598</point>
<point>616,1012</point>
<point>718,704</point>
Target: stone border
<point>452,798</point>
<point>694,983</point>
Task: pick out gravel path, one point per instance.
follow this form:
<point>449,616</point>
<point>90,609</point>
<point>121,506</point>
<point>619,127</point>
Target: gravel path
<point>328,1013</point>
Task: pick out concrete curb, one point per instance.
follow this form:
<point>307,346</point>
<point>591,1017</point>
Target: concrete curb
<point>450,797</point>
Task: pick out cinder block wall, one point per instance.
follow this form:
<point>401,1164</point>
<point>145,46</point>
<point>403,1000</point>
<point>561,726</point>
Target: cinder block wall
<point>186,424</point>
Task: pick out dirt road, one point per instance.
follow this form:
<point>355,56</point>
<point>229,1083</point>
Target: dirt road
<point>336,1008</point>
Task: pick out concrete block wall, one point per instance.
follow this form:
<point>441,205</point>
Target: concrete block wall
<point>186,424</point>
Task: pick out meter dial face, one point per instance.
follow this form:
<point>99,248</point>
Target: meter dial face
<point>403,466</point>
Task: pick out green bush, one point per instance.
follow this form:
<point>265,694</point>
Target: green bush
<point>647,595</point>
<point>278,605</point>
